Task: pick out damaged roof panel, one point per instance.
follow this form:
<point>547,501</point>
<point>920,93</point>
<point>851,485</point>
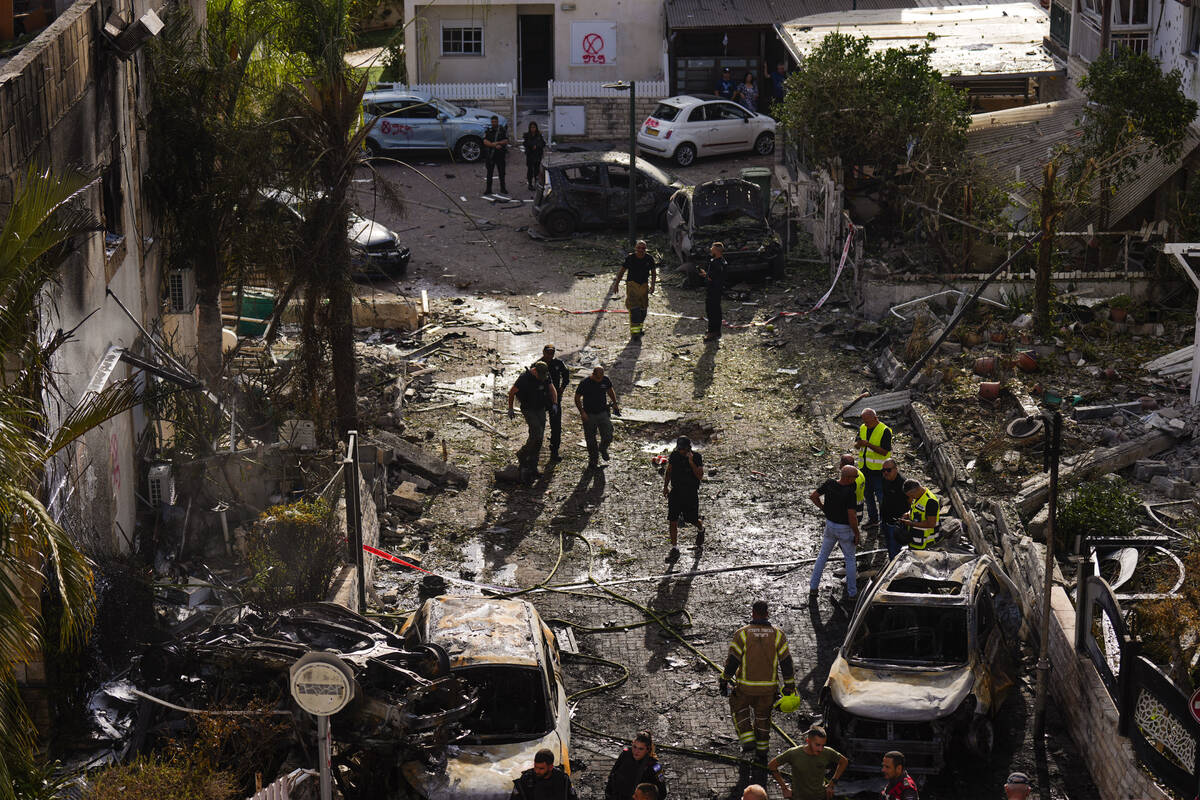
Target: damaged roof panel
<point>476,630</point>
<point>969,41</point>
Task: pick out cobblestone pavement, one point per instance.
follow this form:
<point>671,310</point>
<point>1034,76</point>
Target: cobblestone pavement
<point>763,458</point>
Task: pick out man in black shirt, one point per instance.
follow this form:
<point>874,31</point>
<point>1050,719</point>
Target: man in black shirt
<point>681,487</point>
<point>639,285</point>
<point>895,504</point>
<point>714,284</point>
<point>544,782</point>
<point>495,142</point>
<point>841,526</point>
<point>559,378</point>
<point>591,398</point>
<point>537,396</point>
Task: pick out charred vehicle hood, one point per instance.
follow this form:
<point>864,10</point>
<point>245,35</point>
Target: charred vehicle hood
<point>898,695</point>
<point>368,233</point>
<point>478,772</point>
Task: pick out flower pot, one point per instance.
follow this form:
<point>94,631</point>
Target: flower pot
<point>998,336</point>
<point>1027,361</point>
<point>989,390</point>
<point>1118,314</point>
<point>985,366</point>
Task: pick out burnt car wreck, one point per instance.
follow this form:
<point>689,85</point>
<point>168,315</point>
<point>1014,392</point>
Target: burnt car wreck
<point>730,211</point>
<point>408,706</point>
<point>928,660</point>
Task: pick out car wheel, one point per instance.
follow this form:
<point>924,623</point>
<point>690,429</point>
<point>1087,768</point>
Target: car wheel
<point>373,149</point>
<point>559,223</point>
<point>981,737</point>
<point>685,154</point>
<point>764,145</point>
<point>469,149</point>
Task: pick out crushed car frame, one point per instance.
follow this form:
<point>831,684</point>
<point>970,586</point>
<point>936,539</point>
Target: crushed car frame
<point>928,659</point>
<point>730,211</point>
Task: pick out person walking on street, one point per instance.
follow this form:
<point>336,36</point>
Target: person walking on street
<point>874,445</point>
<point>544,782</point>
<point>860,482</point>
<point>757,651</point>
<point>895,505</point>
<point>681,487</point>
<point>809,763</point>
<point>559,378</point>
<point>537,397</point>
<point>636,766</point>
<point>495,141</point>
<point>725,85</point>
<point>535,149</point>
<point>640,272</point>
<point>923,517</point>
<point>900,785</point>
<point>592,396</point>
<point>1018,787</point>
<point>714,284</point>
<point>836,500</point>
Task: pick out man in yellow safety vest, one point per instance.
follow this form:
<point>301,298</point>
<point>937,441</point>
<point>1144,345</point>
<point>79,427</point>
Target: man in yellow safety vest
<point>874,445</point>
<point>923,516</point>
<point>756,652</point>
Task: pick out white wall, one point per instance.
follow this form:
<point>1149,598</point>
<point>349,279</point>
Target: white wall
<point>1169,21</point>
<point>639,45</point>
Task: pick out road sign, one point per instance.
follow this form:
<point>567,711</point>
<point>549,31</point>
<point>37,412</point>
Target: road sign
<point>1194,705</point>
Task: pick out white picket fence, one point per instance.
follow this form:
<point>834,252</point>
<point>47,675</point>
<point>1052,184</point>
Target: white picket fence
<point>285,787</point>
<point>568,89</point>
<point>471,92</point>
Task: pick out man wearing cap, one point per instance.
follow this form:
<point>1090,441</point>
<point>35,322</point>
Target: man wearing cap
<point>681,487</point>
<point>559,378</point>
<point>639,285</point>
<point>592,396</point>
<point>725,85</point>
<point>1018,787</point>
<point>537,396</point>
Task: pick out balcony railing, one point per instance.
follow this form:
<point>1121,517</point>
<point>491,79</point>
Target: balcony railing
<point>1087,38</point>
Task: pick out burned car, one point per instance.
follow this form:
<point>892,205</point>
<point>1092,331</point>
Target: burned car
<point>928,659</point>
<point>730,211</point>
<point>509,658</point>
<point>591,190</point>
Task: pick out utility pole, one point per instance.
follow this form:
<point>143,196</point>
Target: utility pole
<point>1052,452</point>
<point>633,174</point>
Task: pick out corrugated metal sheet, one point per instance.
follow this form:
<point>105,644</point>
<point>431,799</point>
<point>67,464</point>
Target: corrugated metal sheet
<point>1018,142</point>
<point>967,40</point>
<point>682,14</point>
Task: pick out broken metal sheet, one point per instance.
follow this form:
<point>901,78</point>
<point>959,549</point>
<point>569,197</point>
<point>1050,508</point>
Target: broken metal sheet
<point>476,390</point>
<point>475,631</point>
<point>647,416</point>
<point>909,698</point>
<point>1126,559</point>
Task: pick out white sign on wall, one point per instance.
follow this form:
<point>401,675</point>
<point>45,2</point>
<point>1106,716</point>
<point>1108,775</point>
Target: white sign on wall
<point>593,43</point>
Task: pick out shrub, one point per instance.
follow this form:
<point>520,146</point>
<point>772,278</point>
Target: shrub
<point>152,778</point>
<point>294,550</point>
<point>1106,507</point>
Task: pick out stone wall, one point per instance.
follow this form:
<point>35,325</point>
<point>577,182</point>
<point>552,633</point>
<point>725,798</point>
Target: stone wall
<point>605,117</point>
<point>1075,686</point>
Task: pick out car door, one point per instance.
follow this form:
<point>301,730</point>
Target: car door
<point>420,121</point>
<point>697,130</point>
<point>618,196</point>
<point>729,127</point>
<point>587,194</point>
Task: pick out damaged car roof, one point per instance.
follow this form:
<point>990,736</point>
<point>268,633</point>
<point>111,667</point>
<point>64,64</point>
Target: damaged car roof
<point>933,577</point>
<point>615,157</point>
<point>479,630</point>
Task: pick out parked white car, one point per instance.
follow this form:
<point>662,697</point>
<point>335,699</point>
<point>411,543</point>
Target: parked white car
<point>504,650</point>
<point>691,125</point>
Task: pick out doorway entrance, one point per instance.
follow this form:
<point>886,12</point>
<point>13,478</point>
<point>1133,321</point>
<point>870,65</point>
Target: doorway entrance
<point>535,47</point>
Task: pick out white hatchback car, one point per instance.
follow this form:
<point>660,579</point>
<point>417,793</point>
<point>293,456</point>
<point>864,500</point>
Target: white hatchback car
<point>510,656</point>
<point>692,125</point>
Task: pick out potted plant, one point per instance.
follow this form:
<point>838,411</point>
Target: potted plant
<point>1118,307</point>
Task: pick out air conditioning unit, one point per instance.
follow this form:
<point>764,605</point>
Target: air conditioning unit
<point>181,290</point>
<point>162,485</point>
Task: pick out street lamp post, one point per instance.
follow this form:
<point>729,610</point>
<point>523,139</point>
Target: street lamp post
<point>622,86</point>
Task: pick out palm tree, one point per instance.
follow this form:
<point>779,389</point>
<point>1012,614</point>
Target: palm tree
<point>43,223</point>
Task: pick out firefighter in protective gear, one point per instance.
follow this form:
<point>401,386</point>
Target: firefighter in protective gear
<point>757,651</point>
<point>923,517</point>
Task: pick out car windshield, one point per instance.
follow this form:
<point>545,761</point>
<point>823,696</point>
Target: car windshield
<point>656,174</point>
<point>513,706</point>
<point>921,635</point>
<point>721,203</point>
<point>448,108</point>
<point>666,112</point>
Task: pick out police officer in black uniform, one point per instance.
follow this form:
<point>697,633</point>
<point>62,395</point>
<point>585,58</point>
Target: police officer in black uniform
<point>495,139</point>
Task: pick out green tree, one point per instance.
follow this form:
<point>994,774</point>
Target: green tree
<point>883,113</point>
<point>209,151</point>
<point>43,222</point>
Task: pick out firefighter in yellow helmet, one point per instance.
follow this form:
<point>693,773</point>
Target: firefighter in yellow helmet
<point>923,517</point>
<point>757,651</point>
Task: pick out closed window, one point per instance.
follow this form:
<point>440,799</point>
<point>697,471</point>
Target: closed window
<point>462,39</point>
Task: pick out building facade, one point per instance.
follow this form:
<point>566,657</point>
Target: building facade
<point>532,43</point>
